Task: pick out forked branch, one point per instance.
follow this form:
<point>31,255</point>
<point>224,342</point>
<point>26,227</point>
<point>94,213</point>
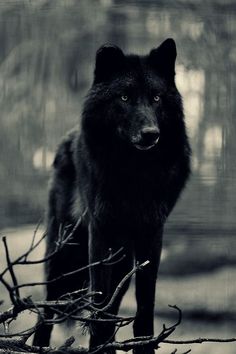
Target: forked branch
<point>67,306</point>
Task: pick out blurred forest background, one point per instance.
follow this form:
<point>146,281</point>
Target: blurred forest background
<point>47,50</point>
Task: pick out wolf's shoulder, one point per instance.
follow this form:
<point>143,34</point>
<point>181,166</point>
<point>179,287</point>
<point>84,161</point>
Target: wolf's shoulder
<point>64,157</point>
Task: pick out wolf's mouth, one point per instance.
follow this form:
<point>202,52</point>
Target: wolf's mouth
<point>146,147</point>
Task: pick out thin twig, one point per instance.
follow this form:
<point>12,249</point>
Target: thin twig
<point>200,340</point>
<point>10,267</point>
<point>34,234</point>
<point>76,271</point>
<point>121,284</point>
<point>14,293</point>
<point>24,255</point>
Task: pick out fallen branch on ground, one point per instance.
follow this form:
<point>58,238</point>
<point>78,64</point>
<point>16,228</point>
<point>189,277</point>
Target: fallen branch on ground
<point>65,308</point>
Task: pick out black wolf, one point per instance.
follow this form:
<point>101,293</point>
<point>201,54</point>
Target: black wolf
<point>126,167</point>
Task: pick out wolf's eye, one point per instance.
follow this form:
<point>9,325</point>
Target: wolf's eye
<point>156,98</point>
<point>124,98</point>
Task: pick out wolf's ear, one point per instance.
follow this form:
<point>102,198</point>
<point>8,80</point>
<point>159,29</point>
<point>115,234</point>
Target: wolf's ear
<point>163,58</point>
<point>109,60</point>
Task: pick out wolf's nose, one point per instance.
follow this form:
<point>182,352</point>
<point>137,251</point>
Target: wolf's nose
<point>150,135</point>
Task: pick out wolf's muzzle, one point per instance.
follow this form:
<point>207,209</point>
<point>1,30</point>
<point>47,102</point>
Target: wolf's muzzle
<point>149,137</point>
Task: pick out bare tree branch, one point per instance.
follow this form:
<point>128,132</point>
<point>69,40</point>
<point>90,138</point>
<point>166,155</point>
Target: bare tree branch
<point>201,340</point>
<point>68,305</point>
<point>106,261</point>
<point>121,284</point>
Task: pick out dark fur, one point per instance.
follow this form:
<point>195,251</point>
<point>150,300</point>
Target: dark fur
<point>128,193</point>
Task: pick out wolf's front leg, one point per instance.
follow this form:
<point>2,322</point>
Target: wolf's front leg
<point>147,248</point>
<point>104,278</point>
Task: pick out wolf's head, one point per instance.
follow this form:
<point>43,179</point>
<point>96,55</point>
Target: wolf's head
<point>134,100</point>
